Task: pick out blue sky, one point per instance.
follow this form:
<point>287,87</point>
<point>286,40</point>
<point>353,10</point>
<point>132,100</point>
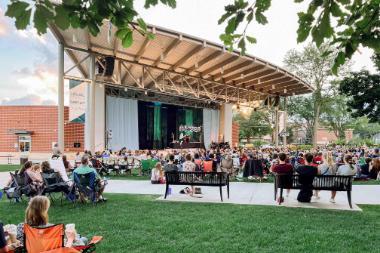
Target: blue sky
<point>29,62</point>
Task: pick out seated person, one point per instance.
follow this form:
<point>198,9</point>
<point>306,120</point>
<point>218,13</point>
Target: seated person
<point>157,174</point>
<point>45,167</point>
<point>7,245</point>
<point>306,177</point>
<point>20,172</point>
<point>35,179</point>
<point>36,215</point>
<point>170,166</point>
<point>100,184</point>
<point>364,168</point>
<point>283,168</point>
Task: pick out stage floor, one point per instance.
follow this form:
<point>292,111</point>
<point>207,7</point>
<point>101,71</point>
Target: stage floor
<point>177,145</point>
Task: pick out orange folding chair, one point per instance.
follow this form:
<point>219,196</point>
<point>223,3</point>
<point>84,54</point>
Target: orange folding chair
<point>49,239</point>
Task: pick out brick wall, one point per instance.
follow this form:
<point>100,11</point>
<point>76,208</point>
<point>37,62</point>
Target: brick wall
<point>235,134</point>
<point>42,121</point>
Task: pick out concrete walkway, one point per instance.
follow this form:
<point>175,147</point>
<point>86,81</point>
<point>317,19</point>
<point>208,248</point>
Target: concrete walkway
<point>243,193</point>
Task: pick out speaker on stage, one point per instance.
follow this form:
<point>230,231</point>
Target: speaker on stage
<point>109,63</point>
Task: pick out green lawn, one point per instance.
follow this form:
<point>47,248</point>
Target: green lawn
<point>8,167</point>
<point>131,223</point>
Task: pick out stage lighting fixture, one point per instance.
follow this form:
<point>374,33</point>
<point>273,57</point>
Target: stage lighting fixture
<point>285,91</point>
<point>273,87</point>
<point>125,89</point>
<point>146,92</point>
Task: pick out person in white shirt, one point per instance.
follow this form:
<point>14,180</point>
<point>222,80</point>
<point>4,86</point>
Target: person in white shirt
<point>157,174</point>
<point>347,169</point>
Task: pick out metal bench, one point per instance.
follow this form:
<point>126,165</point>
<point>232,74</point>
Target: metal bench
<point>218,179</point>
<point>320,183</point>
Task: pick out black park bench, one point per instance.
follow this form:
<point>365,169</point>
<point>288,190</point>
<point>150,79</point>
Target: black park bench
<point>219,179</point>
<point>320,183</point>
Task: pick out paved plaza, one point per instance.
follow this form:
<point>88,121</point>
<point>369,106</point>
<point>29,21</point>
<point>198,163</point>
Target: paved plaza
<point>243,193</point>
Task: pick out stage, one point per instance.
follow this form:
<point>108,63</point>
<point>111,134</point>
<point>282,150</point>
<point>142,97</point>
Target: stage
<point>177,145</point>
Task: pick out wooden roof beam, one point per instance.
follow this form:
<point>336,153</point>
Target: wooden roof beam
<point>243,73</point>
<point>219,65</point>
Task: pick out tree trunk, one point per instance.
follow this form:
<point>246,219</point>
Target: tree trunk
<point>316,123</point>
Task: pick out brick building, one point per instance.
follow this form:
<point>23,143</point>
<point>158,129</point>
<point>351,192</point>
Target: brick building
<point>34,129</point>
<point>235,134</point>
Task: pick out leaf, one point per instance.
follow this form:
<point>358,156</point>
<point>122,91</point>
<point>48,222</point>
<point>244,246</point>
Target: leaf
<point>62,17</point>
<point>241,45</point>
<point>42,16</point>
<point>93,28</point>
<point>231,26</point>
<point>122,32</point>
<point>224,17</point>
<point>151,36</point>
<point>127,40</point>
<point>339,60</point>
<point>335,9</point>
<point>250,16</point>
<point>260,18</point>
<point>142,24</point>
<point>251,40</point>
<point>305,20</point>
<point>16,9</point>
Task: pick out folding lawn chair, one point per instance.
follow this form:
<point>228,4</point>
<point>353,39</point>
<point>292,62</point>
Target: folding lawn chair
<point>51,240</point>
<point>54,184</point>
<point>85,184</point>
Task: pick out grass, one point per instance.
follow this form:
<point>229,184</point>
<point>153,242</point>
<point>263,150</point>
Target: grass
<point>8,167</point>
<point>137,223</point>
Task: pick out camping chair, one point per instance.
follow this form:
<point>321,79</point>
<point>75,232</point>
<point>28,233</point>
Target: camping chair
<point>85,184</point>
<point>146,166</point>
<point>47,239</point>
<point>54,184</point>
<point>17,187</point>
<point>51,240</point>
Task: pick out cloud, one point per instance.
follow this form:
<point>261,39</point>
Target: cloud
<point>3,24</point>
<point>28,100</point>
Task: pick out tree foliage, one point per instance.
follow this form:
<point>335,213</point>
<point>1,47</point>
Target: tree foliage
<point>334,114</point>
<point>346,24</point>
<point>363,89</point>
<point>314,66</point>
<point>257,124</point>
<point>364,129</point>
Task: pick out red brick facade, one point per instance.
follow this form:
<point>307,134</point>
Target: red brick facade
<point>42,122</point>
<point>235,134</point>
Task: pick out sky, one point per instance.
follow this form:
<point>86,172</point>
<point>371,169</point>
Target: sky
<point>28,62</point>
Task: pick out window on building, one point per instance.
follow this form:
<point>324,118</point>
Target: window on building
<point>24,143</point>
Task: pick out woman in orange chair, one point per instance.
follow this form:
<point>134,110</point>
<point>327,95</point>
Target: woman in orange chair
<point>36,215</point>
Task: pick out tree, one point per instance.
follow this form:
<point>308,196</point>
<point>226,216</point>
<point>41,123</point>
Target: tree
<point>301,113</point>
<point>256,125</point>
<point>363,89</point>
<point>348,23</point>
<point>364,129</point>
<point>335,115</point>
<point>314,66</point>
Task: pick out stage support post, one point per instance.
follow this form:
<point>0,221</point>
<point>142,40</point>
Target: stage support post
<point>284,137</point>
<point>277,126</point>
<point>61,99</point>
<point>225,123</point>
<point>90,109</point>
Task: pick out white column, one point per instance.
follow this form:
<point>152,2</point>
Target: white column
<point>284,139</point>
<point>100,117</point>
<point>276,127</point>
<point>225,123</point>
<point>90,109</point>
<point>61,99</point>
